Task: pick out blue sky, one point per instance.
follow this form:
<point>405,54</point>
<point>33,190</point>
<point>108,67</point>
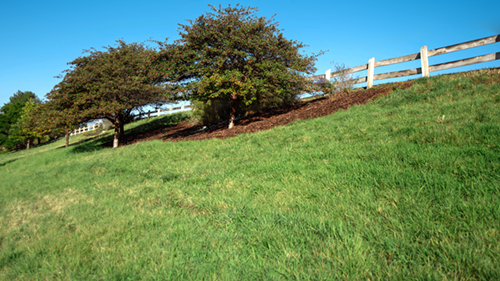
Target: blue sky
<point>38,38</point>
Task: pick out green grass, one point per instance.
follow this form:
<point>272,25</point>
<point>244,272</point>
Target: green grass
<point>387,190</point>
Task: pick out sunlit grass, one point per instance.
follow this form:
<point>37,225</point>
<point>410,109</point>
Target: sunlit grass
<point>387,190</point>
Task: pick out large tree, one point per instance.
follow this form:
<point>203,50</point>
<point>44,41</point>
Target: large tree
<point>232,54</point>
<point>109,84</point>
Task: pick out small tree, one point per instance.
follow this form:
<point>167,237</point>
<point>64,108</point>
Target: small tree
<point>10,114</point>
<point>23,97</point>
<point>26,129</point>
<point>54,118</point>
<point>231,54</point>
<point>109,84</point>
<point>344,80</point>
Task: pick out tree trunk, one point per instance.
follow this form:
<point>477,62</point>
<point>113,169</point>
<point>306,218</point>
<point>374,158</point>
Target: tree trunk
<point>122,131</point>
<point>117,133</point>
<point>28,144</point>
<point>233,111</point>
<point>68,132</point>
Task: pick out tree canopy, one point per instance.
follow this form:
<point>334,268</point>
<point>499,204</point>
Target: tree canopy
<point>108,84</point>
<point>10,114</point>
<point>23,97</point>
<point>232,54</point>
<point>26,128</point>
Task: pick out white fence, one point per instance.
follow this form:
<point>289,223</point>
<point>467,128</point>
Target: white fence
<point>86,129</point>
<point>141,115</point>
<point>156,113</point>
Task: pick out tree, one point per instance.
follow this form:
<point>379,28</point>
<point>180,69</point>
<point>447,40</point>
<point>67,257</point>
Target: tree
<point>26,129</point>
<point>108,84</point>
<point>344,80</point>
<point>10,114</point>
<point>53,119</point>
<point>23,97</point>
<point>231,54</point>
<point>62,113</point>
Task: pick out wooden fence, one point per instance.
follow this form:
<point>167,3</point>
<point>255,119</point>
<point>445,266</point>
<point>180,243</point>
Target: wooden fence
<point>141,115</point>
<point>423,56</point>
<point>158,112</point>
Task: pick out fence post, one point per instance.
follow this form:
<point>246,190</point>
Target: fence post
<point>328,75</point>
<point>424,60</point>
<point>182,107</point>
<point>149,114</point>
<point>158,112</point>
<point>371,67</point>
<point>170,110</point>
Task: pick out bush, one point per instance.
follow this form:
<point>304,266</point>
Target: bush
<point>106,125</point>
<point>324,86</point>
<point>211,112</point>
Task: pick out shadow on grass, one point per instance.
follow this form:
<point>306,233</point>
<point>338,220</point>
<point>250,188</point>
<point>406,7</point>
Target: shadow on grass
<point>101,142</point>
<point>157,123</point>
<point>90,144</point>
<point>7,162</point>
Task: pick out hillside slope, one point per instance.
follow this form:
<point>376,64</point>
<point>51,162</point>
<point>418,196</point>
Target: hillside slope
<point>406,186</point>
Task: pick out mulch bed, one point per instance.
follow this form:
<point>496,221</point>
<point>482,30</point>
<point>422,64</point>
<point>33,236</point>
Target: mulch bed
<point>264,121</point>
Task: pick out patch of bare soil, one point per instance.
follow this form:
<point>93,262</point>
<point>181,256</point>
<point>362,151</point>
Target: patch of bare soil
<point>264,121</point>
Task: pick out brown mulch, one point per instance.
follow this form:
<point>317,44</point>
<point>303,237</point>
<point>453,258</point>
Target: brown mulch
<point>264,121</point>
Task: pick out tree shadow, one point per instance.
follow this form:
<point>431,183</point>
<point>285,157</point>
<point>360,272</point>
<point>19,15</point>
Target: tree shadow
<point>102,142</point>
<point>90,144</point>
<point>7,162</point>
<point>157,123</point>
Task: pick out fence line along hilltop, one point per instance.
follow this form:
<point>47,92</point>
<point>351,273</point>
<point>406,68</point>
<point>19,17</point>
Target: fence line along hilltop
<point>425,70</point>
<point>423,56</point>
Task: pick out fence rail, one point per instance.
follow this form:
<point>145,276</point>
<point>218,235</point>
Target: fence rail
<point>423,56</point>
<point>170,110</point>
<point>86,129</point>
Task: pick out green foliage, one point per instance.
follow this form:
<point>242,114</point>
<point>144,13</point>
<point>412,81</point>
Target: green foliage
<point>26,128</point>
<point>107,84</point>
<point>10,114</point>
<point>9,117</point>
<point>212,111</point>
<point>380,191</point>
<point>234,55</point>
<point>22,97</point>
<point>325,87</point>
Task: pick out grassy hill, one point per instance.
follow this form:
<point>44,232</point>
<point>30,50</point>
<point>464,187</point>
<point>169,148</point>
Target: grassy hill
<point>405,187</point>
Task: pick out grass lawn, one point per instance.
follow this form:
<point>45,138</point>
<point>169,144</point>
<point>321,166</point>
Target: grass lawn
<point>387,190</point>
